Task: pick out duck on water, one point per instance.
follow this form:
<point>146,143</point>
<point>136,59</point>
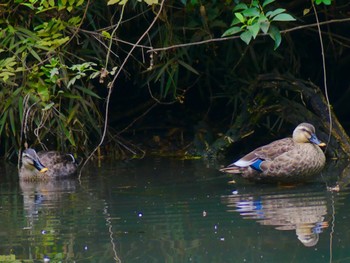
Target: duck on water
<point>46,165</point>
<point>289,159</point>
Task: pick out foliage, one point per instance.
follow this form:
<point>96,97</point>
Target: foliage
<point>59,58</point>
<point>46,91</point>
<point>325,2</point>
<point>251,19</point>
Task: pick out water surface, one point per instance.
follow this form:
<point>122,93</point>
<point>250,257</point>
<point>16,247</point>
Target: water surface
<point>166,210</point>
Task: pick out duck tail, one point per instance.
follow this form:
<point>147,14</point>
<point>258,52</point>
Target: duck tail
<point>72,157</point>
<point>231,170</point>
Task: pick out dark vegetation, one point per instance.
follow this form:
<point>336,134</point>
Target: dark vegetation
<point>67,65</point>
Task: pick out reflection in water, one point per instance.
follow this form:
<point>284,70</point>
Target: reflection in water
<point>165,210</point>
<point>303,212</point>
<point>42,202</point>
<point>40,195</point>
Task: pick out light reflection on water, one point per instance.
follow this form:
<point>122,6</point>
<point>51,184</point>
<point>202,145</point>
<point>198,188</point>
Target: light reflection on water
<point>163,210</point>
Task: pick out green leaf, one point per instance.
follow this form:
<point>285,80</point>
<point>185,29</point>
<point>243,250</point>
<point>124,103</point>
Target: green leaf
<point>235,21</point>
<point>283,17</point>
<point>240,17</point>
<point>253,11</point>
<point>231,31</point>
<point>275,35</point>
<point>151,2</point>
<point>275,12</point>
<point>120,2</point>
<point>20,108</point>
<point>12,121</point>
<point>112,2</point>
<point>266,2</point>
<point>240,6</point>
<point>3,121</point>
<point>326,2</point>
<point>48,106</point>
<point>246,37</point>
<point>79,3</point>
<point>264,26</point>
<point>88,92</point>
<point>254,29</point>
<point>68,135</point>
<point>106,34</point>
<point>188,67</point>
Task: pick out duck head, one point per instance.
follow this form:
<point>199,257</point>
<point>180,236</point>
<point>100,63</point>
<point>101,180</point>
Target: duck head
<point>305,133</point>
<point>30,159</point>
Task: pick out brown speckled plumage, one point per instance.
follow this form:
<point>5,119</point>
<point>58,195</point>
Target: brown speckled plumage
<point>289,159</point>
<point>46,165</point>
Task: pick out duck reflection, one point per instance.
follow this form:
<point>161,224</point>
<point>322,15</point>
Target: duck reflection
<point>44,195</point>
<point>303,212</point>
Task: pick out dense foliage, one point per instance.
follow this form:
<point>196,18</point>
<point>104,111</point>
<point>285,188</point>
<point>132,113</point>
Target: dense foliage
<point>63,62</point>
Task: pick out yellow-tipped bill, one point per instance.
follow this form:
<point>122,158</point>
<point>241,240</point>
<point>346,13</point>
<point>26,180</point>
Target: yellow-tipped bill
<point>43,170</point>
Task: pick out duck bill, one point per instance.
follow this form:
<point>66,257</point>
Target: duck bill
<point>39,166</point>
<point>316,141</point>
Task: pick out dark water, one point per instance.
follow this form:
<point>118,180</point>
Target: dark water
<point>163,210</point>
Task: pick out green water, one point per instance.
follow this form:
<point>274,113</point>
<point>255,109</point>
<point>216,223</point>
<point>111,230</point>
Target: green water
<point>163,210</point>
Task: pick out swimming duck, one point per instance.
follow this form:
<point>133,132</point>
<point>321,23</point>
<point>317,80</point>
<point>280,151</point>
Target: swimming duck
<point>288,159</point>
<point>46,165</point>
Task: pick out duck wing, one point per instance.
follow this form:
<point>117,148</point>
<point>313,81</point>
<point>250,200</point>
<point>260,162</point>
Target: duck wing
<point>51,158</point>
<point>266,152</point>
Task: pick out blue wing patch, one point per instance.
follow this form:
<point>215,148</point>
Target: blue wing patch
<point>257,165</point>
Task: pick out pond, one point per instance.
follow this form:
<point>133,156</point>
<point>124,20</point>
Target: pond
<point>167,210</point>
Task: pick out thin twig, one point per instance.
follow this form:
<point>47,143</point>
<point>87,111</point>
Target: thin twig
<point>330,121</point>
<point>236,37</point>
<point>111,84</point>
<point>324,74</point>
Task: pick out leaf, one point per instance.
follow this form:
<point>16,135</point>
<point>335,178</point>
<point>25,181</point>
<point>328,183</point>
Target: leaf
<point>283,17</point>
<point>266,2</point>
<point>20,108</point>
<point>188,67</point>
<point>88,92</point>
<point>240,17</point>
<point>3,121</point>
<point>68,135</point>
<point>275,35</point>
<point>275,12</point>
<point>253,11</point>
<point>151,2</point>
<point>326,2</point>
<point>120,2</point>
<point>306,11</point>
<point>232,31</point>
<point>12,121</point>
<point>112,2</point>
<point>264,26</point>
<point>240,6</point>
<point>254,29</point>
<point>48,106</point>
<point>246,37</point>
<point>235,21</point>
<point>106,34</point>
<point>79,3</point>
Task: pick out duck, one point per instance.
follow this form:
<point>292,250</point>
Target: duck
<point>295,158</point>
<point>46,165</point>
